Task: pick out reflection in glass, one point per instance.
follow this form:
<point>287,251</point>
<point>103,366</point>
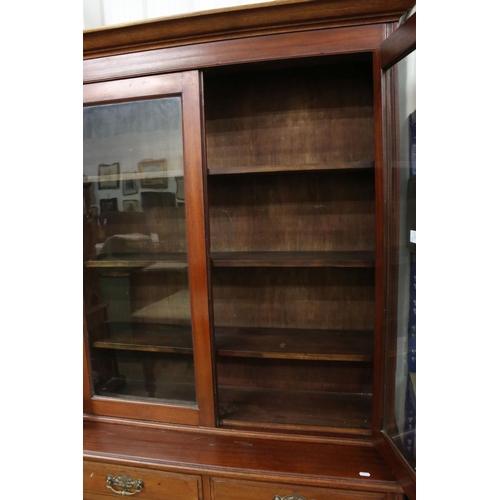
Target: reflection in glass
<point>400,404</point>
<point>136,286</point>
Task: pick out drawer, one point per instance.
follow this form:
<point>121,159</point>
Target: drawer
<point>233,490</point>
<point>156,485</point>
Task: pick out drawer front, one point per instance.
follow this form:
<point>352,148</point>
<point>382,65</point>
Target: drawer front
<point>155,485</point>
<point>232,490</point>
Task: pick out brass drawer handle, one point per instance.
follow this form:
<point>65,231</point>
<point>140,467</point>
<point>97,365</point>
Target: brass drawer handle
<point>289,497</point>
<point>125,482</point>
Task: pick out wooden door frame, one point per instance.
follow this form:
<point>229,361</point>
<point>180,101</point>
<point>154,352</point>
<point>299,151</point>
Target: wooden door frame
<point>185,85</point>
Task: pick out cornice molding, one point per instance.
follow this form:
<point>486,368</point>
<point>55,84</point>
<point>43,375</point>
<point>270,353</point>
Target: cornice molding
<point>239,22</point>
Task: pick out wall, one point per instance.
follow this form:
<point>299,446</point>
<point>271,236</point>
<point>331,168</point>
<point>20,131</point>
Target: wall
<point>99,13</point>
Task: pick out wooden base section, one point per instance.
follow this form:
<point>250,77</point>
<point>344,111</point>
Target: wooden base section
<point>238,455</point>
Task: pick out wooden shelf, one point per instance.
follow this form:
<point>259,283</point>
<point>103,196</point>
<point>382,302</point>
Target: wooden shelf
<point>154,338</point>
<point>291,408</point>
<point>293,259</point>
<point>301,344</point>
<point>318,167</point>
<point>155,262</point>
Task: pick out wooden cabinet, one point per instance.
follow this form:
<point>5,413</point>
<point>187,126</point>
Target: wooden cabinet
<point>235,254</point>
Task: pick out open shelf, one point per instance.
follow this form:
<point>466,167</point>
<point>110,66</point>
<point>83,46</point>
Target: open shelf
<point>300,344</point>
<point>291,204</point>
<point>151,338</point>
<point>287,119</point>
<point>257,169</point>
<point>293,259</point>
<point>302,408</point>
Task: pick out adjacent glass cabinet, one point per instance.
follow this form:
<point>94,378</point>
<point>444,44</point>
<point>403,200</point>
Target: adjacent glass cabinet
<point>399,410</point>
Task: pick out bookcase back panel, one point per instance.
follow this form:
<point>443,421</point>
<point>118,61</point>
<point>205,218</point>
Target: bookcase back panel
<point>294,375</point>
<point>330,211</point>
<point>320,114</point>
<point>323,298</point>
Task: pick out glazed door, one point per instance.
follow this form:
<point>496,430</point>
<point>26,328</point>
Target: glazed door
<point>144,258</point>
<point>397,432</point>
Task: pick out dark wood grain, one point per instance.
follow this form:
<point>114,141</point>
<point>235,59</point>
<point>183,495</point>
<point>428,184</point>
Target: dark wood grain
<point>197,247</point>
<point>226,52</point>
<point>297,212</point>
<point>206,487</point>
<point>311,409</point>
<point>379,101</point>
<point>270,118</point>
<point>400,44</point>
<point>288,297</point>
<point>185,487</point>
<point>228,454</point>
<point>155,411</point>
<point>276,343</point>
<point>405,474</point>
<point>293,259</point>
<point>244,21</point>
<point>244,490</point>
<point>282,374</point>
<point>133,88</point>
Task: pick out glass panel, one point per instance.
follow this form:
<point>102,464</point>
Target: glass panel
<point>400,406</point>
<point>136,286</point>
